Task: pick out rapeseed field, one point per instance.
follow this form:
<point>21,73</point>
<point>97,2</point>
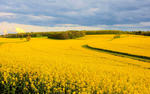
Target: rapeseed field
<point>65,67</point>
<point>132,44</point>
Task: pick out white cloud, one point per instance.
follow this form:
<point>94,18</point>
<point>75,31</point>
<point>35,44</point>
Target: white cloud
<point>40,17</point>
<point>127,25</point>
<point>93,10</point>
<point>11,27</point>
<point>84,12</point>
<point>67,25</point>
<point>7,15</point>
<point>145,23</point>
<point>70,13</point>
<point>25,16</point>
<point>143,26</point>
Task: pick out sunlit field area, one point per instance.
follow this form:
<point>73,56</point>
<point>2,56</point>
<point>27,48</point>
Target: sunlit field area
<point>133,44</point>
<point>45,65</point>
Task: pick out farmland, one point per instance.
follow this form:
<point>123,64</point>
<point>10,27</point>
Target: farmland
<point>45,65</point>
<point>132,44</point>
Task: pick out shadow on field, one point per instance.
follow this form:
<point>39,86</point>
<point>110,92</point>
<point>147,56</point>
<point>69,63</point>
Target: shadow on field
<point>121,54</point>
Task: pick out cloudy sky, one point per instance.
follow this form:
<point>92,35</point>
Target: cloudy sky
<point>98,14</point>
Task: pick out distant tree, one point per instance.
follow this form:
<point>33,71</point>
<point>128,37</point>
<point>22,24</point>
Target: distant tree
<point>28,38</point>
